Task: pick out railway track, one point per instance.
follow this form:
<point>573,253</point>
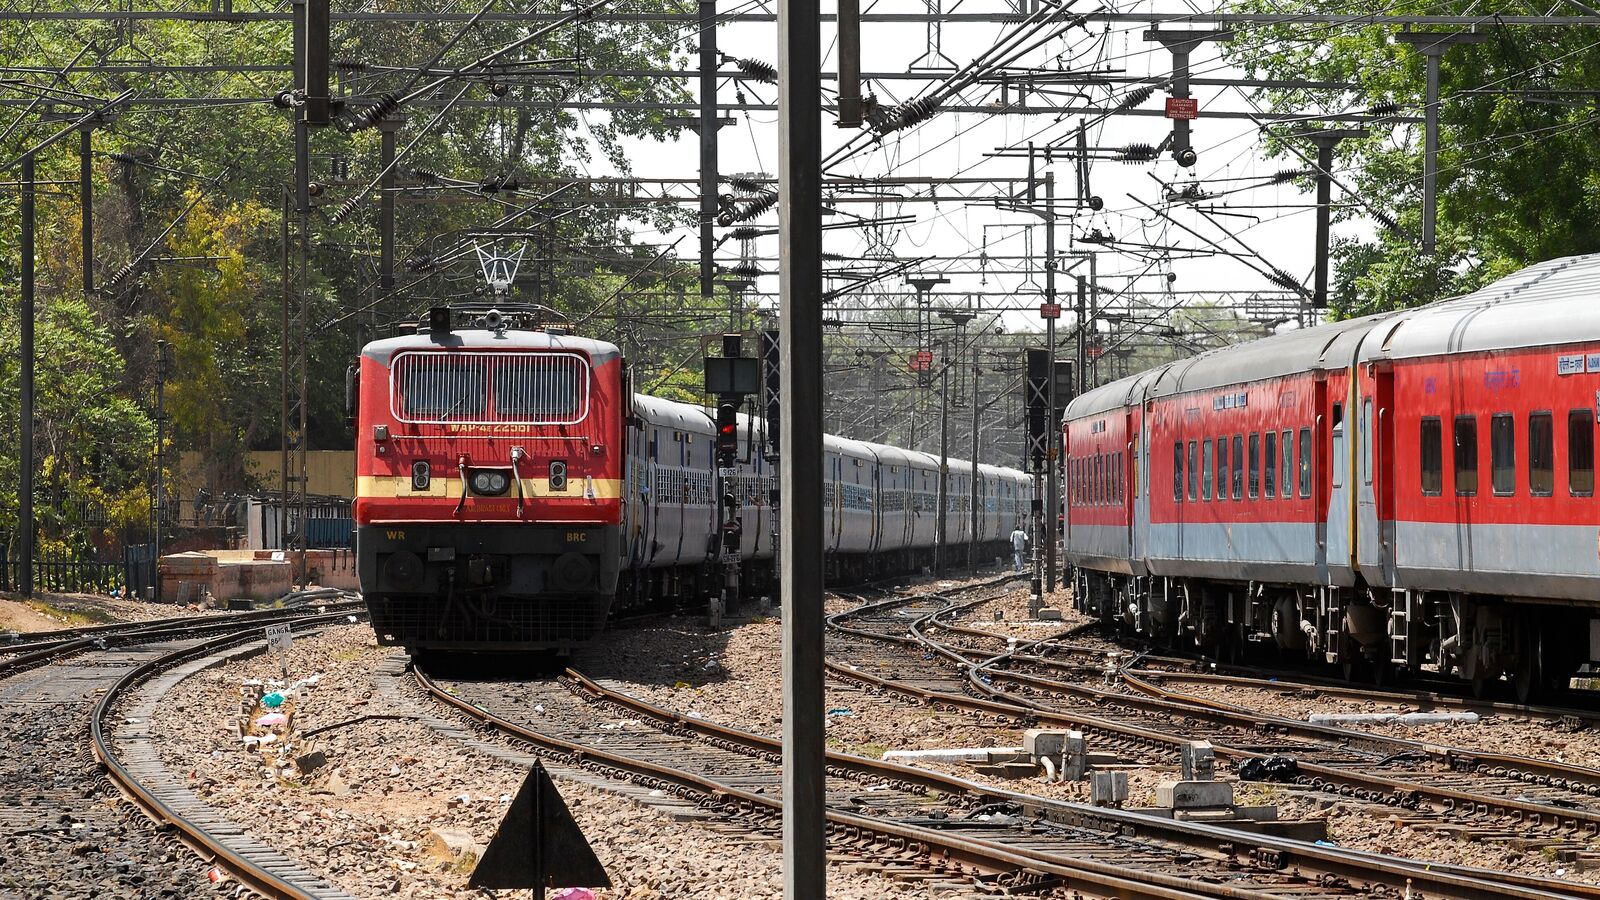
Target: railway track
<point>932,827</point>
<point>890,644</point>
<point>132,678</point>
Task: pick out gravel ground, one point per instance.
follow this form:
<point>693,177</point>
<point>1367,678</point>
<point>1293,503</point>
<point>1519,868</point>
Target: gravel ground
<point>51,611</point>
<point>64,832</point>
<point>1545,739</point>
<point>364,819</point>
<point>734,677</point>
<point>1380,830</point>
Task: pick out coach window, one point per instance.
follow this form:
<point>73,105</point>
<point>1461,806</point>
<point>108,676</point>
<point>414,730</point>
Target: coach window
<point>1194,470</point>
<point>1205,469</point>
<point>1541,454</point>
<point>1503,454</point>
<point>1255,466</point>
<point>1367,437</point>
<point>1116,477</point>
<point>1222,468</point>
<point>1466,449</point>
<point>1177,470</point>
<point>1431,446</point>
<point>1580,453</point>
<point>1238,467</point>
<point>1305,463</point>
<point>1269,479</point>
<point>1286,471</point>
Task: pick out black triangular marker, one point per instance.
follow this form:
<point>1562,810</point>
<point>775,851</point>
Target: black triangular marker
<point>538,844</point>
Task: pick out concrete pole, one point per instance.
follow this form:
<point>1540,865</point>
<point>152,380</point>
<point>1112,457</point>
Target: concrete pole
<point>86,204</point>
<point>25,494</point>
<point>1433,46</point>
<point>972,512</point>
<point>944,471</point>
<point>386,132</point>
<point>1051,460</point>
<point>800,312</point>
<point>708,145</point>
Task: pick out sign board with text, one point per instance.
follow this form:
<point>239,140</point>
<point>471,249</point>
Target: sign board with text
<point>1183,108</point>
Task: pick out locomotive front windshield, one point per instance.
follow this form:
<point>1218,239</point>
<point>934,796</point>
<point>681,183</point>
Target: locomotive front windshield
<point>491,388</point>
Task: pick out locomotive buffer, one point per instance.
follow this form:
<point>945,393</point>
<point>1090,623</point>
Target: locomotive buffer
<point>730,378</point>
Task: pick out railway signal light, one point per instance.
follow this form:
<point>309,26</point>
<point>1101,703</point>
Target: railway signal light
<point>727,432</point>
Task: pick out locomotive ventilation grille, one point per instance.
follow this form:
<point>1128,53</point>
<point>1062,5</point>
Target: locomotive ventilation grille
<point>439,388</point>
<point>422,620</point>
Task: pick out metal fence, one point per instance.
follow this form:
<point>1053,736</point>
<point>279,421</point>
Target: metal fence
<point>78,573</point>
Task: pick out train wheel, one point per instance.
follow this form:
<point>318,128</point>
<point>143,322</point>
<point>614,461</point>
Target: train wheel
<point>1480,680</point>
<point>1527,673</point>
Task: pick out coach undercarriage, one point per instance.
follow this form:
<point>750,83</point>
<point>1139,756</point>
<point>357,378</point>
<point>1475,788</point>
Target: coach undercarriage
<point>1369,634</point>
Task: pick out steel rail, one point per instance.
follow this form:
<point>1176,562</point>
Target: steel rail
<point>146,632</point>
<point>1376,788</point>
<point>211,847</point>
<point>35,639</point>
<point>940,848</point>
<point>1268,854</point>
<point>1370,787</point>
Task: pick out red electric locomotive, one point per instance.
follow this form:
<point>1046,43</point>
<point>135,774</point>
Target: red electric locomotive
<point>462,433</point>
<point>1407,489</point>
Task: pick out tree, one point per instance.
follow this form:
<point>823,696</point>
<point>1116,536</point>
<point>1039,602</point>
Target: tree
<point>1519,155</point>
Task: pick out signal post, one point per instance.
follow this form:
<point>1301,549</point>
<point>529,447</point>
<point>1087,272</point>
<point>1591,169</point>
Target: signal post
<point>729,378</point>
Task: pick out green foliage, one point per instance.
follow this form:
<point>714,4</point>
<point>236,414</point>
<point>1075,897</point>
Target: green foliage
<point>216,173</point>
<point>1519,156</point>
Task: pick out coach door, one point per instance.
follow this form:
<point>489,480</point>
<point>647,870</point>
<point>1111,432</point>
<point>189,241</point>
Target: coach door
<point>1376,529</point>
<point>1130,486</point>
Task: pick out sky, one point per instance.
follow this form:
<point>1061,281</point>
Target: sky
<point>958,144</point>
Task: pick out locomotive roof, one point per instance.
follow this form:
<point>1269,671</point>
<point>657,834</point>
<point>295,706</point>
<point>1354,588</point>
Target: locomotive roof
<point>383,351</point>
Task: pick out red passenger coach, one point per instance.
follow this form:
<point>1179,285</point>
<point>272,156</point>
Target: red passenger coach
<point>489,469</point>
<point>1408,489</point>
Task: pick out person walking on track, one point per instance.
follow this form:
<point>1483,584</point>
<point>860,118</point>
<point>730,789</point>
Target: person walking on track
<point>1019,547</point>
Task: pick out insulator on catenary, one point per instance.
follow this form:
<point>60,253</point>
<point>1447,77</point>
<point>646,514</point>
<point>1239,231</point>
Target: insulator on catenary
<point>760,71</point>
<point>427,175</point>
<point>1280,277</point>
<point>120,274</point>
<point>350,65</point>
<point>1287,175</point>
<point>745,270</point>
<point>1137,153</point>
<point>756,207</point>
<point>1387,221</point>
<point>744,185</point>
<point>424,263</point>
<point>345,210</point>
<point>745,233</point>
<point>905,115</point>
<point>372,115</point>
<point>1386,108</point>
<point>128,158</point>
<point>1136,96</point>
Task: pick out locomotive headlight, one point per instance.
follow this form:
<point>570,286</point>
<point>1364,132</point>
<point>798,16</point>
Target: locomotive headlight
<point>558,475</point>
<point>421,475</point>
<point>490,482</point>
